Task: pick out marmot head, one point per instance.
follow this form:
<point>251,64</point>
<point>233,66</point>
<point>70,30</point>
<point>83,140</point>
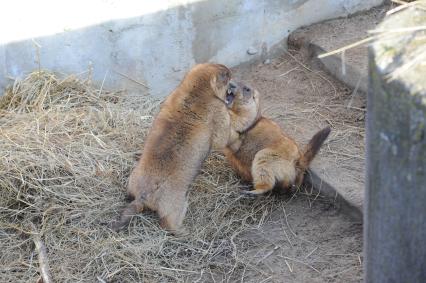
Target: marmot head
<point>244,103</point>
<point>208,79</point>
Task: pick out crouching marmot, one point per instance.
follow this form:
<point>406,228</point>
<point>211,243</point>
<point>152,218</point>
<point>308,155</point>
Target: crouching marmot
<point>193,120</point>
<point>245,110</point>
<point>269,158</point>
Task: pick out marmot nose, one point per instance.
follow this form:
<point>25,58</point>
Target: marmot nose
<point>232,85</point>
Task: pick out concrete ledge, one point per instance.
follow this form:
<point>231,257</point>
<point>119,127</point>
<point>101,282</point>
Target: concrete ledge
<point>346,186</point>
<point>355,75</point>
<point>351,68</point>
<point>346,204</point>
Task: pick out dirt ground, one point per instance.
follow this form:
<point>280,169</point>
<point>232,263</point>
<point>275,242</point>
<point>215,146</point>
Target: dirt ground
<point>306,238</point>
<point>303,98</point>
<point>233,238</point>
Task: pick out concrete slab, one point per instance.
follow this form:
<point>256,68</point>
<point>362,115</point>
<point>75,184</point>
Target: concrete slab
<point>345,184</point>
<point>351,66</point>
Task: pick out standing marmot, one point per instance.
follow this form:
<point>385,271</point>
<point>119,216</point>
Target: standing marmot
<point>193,120</point>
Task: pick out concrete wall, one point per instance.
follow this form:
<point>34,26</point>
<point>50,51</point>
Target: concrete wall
<point>395,196</point>
<point>153,42</point>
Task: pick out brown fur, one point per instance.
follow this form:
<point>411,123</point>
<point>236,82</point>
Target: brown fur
<point>245,109</point>
<point>269,158</point>
<point>192,121</point>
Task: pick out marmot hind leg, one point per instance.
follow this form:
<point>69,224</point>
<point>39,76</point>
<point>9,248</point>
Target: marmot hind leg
<point>172,210</point>
<point>263,175</point>
<point>133,208</point>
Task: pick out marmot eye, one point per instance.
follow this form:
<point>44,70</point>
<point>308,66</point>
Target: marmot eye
<point>246,89</point>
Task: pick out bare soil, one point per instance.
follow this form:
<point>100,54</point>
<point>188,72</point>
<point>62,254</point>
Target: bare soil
<point>306,238</point>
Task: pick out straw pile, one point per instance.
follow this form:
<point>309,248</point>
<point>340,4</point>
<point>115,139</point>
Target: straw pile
<point>66,150</point>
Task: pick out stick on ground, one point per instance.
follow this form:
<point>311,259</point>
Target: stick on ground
<point>42,259</point>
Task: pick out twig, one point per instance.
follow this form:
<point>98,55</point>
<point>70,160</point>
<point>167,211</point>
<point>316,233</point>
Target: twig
<point>354,93</point>
<point>401,70</point>
<point>309,254</point>
<point>263,281</point>
<point>133,80</point>
<point>285,233</point>
<point>42,259</point>
<point>201,276</point>
<point>288,265</point>
<point>178,269</point>
<point>310,70</point>
<point>360,42</point>
<point>288,225</point>
<point>268,254</point>
<point>339,255</point>
<point>344,271</point>
<point>289,71</point>
<point>346,154</point>
<point>37,46</point>
<point>103,81</point>
<point>376,31</point>
<point>398,8</point>
<point>291,230</point>
<point>301,262</point>
<point>398,30</point>
<point>399,2</point>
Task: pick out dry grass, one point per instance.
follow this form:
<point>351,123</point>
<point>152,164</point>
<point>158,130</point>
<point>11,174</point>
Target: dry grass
<point>42,90</point>
<point>66,150</point>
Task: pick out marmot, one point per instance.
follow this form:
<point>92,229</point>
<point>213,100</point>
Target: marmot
<point>245,109</point>
<point>269,158</point>
<point>192,121</point>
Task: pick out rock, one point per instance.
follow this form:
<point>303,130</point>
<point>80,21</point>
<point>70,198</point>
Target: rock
<point>252,50</point>
<point>267,62</point>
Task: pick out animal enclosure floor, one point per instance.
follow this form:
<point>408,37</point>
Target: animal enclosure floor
<point>232,238</point>
<point>305,239</point>
<point>303,99</point>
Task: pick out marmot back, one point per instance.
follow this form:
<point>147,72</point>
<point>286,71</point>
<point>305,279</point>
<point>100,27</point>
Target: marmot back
<point>269,158</point>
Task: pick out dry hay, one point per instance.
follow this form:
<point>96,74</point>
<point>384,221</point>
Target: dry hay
<point>66,150</point>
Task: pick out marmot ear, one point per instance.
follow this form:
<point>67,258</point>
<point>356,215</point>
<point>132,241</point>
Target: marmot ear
<point>224,76</point>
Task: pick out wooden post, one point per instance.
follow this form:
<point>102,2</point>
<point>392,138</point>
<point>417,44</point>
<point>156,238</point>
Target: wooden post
<point>395,199</point>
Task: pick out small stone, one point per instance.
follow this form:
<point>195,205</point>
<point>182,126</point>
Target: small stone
<point>267,62</point>
<point>251,50</point>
